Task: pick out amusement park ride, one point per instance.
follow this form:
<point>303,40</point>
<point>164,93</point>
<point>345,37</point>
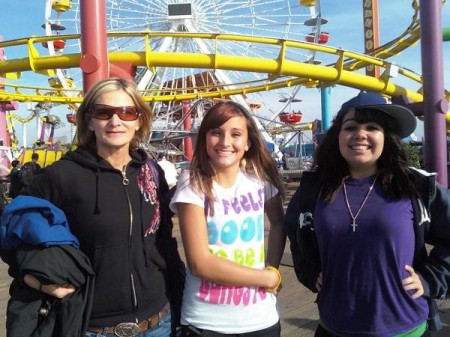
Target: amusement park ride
<point>184,55</point>
<point>291,117</point>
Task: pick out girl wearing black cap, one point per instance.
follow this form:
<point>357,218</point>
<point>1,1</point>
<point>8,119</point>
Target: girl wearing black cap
<point>358,226</point>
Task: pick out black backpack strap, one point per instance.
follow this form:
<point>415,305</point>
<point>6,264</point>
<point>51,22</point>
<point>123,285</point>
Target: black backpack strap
<point>299,226</point>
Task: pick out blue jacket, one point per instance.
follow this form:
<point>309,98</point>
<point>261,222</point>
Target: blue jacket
<point>432,226</point>
<point>36,240</point>
<point>34,221</point>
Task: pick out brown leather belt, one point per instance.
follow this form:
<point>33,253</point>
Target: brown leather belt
<point>130,329</point>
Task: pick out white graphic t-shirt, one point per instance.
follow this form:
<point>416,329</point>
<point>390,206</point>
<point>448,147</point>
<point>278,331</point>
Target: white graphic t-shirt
<point>236,233</point>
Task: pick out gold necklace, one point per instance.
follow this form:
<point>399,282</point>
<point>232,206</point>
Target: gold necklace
<point>354,224</point>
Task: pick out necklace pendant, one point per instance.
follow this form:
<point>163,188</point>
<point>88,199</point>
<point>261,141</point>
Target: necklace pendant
<point>347,203</point>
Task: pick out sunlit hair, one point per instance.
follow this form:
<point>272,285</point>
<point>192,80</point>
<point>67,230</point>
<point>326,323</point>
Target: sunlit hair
<point>257,160</point>
<point>398,181</point>
<point>85,137</point>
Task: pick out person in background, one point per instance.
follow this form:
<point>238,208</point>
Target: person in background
<point>358,225</point>
<point>34,161</point>
<point>231,283</point>
<point>113,197</point>
<point>170,171</point>
<point>284,161</point>
<point>28,170</point>
<point>14,179</point>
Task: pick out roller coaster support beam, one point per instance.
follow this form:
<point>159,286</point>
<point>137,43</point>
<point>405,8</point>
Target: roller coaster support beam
<point>188,152</point>
<point>435,103</point>
<point>371,33</point>
<point>94,50</point>
<point>4,107</point>
<point>325,94</point>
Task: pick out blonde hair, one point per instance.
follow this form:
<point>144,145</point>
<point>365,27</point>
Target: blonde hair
<point>86,138</point>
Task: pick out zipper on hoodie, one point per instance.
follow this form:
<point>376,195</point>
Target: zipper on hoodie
<point>125,182</point>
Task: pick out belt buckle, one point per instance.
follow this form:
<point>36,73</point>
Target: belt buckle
<point>126,330</point>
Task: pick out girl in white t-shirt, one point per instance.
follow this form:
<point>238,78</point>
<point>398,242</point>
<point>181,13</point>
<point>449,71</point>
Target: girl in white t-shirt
<point>231,283</point>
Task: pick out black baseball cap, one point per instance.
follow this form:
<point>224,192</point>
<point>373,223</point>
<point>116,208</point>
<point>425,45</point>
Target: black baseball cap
<point>406,120</point>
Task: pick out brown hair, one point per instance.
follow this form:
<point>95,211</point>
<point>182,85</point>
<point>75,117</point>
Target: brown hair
<point>85,137</point>
<point>257,160</point>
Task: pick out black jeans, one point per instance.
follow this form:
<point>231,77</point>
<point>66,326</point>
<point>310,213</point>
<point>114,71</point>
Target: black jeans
<point>321,332</point>
<point>273,331</point>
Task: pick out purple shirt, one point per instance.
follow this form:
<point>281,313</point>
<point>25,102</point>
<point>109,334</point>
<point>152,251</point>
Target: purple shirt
<point>362,292</point>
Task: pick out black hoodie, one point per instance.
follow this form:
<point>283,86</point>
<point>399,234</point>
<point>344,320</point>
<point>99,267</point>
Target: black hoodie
<point>113,222</point>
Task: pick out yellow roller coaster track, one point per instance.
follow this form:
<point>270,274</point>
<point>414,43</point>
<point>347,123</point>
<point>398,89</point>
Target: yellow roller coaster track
<point>21,119</point>
<point>281,71</point>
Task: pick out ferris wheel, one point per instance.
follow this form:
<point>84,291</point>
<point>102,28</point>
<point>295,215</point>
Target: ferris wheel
<point>280,19</point>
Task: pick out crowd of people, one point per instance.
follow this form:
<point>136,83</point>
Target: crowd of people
<point>90,247</point>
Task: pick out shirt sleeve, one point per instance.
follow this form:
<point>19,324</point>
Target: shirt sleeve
<point>185,193</point>
<point>269,191</point>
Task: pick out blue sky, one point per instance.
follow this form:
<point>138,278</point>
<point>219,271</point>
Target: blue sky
<point>24,18</point>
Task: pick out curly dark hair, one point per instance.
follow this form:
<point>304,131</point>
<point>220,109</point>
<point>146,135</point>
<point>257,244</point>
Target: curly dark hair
<point>393,170</point>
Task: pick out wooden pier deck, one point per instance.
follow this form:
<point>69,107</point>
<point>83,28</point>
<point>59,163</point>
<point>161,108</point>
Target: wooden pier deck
<point>298,311</point>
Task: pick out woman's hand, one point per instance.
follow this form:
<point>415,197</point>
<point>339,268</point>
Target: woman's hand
<point>412,282</point>
<point>319,282</point>
<point>55,290</point>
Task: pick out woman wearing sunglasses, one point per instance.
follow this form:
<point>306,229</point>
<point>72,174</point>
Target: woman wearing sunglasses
<point>111,194</point>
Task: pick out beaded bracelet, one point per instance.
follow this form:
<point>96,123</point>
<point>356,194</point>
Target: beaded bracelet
<point>277,287</point>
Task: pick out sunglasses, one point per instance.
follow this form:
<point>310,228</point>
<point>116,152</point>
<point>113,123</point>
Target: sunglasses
<point>105,112</point>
